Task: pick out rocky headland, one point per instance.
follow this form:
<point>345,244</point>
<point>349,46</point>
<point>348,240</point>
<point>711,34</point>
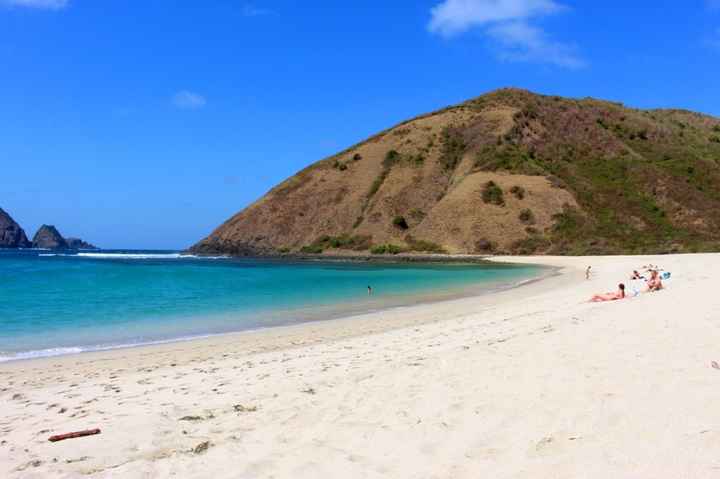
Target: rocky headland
<point>47,237</point>
<point>11,234</point>
<point>509,172</point>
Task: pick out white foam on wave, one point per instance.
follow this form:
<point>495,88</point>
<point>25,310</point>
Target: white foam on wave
<point>145,256</point>
<point>133,255</point>
<point>41,353</point>
<point>52,352</point>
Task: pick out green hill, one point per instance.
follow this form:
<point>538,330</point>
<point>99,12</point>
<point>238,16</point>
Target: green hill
<point>508,172</point>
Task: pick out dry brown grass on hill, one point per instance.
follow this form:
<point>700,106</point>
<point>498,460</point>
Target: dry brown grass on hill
<point>597,177</point>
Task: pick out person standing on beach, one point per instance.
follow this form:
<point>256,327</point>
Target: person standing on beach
<point>587,272</point>
<point>369,290</point>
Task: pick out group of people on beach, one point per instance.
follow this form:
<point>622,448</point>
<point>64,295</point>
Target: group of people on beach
<point>652,277</point>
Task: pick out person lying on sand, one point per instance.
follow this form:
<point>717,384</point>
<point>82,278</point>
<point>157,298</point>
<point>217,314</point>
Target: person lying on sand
<point>654,283</point>
<point>619,294</point>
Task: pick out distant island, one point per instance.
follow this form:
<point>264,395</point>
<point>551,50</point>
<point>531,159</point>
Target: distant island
<point>47,236</point>
<point>510,172</point>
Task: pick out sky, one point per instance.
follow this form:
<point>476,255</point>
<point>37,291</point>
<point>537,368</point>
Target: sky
<point>146,124</point>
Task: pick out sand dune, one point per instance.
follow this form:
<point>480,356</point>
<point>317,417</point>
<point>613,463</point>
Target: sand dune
<point>533,382</point>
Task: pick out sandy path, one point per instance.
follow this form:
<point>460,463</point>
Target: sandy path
<point>533,382</point>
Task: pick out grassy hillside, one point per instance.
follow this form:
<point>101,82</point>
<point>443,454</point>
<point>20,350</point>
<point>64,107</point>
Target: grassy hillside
<point>508,172</point>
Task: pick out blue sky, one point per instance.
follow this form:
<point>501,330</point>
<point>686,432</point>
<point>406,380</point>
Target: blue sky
<point>145,124</point>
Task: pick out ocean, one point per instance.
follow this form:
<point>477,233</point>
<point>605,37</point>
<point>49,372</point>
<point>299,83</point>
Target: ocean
<point>54,303</point>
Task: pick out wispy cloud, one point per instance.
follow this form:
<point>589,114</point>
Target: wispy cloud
<point>188,100</point>
<point>250,10</point>
<point>713,4</point>
<point>452,17</point>
<point>520,41</point>
<point>39,4</point>
<point>509,24</point>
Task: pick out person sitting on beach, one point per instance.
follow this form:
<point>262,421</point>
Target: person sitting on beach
<point>619,294</point>
<point>636,275</point>
<point>654,283</point>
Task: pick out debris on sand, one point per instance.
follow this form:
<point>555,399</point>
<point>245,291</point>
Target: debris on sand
<point>191,418</point>
<point>73,435</point>
<point>201,448</point>
<point>242,408</point>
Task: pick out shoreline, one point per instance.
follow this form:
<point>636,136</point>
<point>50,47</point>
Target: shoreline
<point>362,257</point>
<point>267,333</point>
<point>346,310</point>
<point>534,381</point>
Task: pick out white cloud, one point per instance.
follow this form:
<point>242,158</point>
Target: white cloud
<point>40,4</point>
<point>188,100</point>
<point>508,23</point>
<point>457,16</point>
<point>520,41</point>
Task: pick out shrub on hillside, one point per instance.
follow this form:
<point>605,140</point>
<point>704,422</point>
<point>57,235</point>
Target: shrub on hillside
<point>527,216</point>
<point>453,149</point>
<point>399,221</point>
<point>484,246</point>
<point>391,158</point>
<point>386,249</point>
<point>339,166</point>
<point>507,157</point>
<point>493,194</point>
<point>568,222</point>
<point>377,183</point>
<point>311,249</point>
<point>423,246</point>
<point>530,245</point>
<point>345,241</point>
<point>518,191</point>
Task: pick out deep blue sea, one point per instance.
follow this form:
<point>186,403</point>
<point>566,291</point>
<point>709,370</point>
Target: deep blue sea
<point>56,303</point>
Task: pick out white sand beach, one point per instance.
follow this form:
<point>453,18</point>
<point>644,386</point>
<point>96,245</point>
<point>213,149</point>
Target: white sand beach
<point>534,382</point>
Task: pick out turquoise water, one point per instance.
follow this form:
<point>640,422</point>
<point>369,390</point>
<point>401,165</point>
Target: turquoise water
<point>61,303</point>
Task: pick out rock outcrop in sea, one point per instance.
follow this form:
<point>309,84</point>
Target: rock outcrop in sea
<point>48,237</point>
<point>11,234</point>
<point>77,243</point>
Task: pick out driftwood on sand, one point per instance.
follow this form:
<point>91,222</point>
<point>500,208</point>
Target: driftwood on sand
<point>72,435</point>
